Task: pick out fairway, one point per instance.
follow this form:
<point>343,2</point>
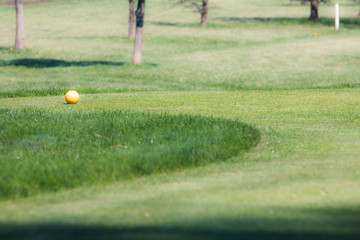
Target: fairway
<point>248,128</point>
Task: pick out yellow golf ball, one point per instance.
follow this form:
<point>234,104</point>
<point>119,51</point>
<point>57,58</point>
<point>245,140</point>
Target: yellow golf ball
<point>72,97</point>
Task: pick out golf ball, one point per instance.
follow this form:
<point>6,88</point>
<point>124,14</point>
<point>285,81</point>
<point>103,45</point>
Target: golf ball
<point>72,97</point>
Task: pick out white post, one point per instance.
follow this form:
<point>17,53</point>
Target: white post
<point>337,18</point>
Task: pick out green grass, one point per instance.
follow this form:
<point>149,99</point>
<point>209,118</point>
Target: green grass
<point>89,49</point>
<point>300,181</point>
<point>59,91</point>
<point>258,63</point>
<point>50,152</point>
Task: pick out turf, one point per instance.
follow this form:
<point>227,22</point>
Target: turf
<point>299,182</point>
<point>89,48</point>
<point>58,151</point>
<point>260,63</point>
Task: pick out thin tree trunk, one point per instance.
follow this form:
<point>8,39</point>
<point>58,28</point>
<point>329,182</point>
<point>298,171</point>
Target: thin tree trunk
<point>204,13</point>
<point>131,19</point>
<point>314,16</point>
<point>140,11</point>
<point>20,25</point>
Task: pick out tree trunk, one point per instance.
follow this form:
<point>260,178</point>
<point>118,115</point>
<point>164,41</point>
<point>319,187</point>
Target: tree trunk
<point>20,25</point>
<point>131,19</point>
<point>204,13</point>
<point>314,16</point>
<point>140,11</point>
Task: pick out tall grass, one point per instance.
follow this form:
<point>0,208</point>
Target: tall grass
<point>44,151</point>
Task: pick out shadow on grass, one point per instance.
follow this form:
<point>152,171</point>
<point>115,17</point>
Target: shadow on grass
<point>321,224</point>
<point>165,24</point>
<point>73,232</point>
<point>5,48</point>
<point>349,22</point>
<point>345,22</point>
<point>50,63</point>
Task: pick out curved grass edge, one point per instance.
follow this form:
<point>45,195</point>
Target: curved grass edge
<point>61,91</point>
<point>219,87</point>
<point>43,151</point>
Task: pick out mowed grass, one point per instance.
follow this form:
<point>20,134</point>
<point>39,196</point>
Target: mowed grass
<point>258,62</point>
<point>245,40</point>
<point>300,181</point>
